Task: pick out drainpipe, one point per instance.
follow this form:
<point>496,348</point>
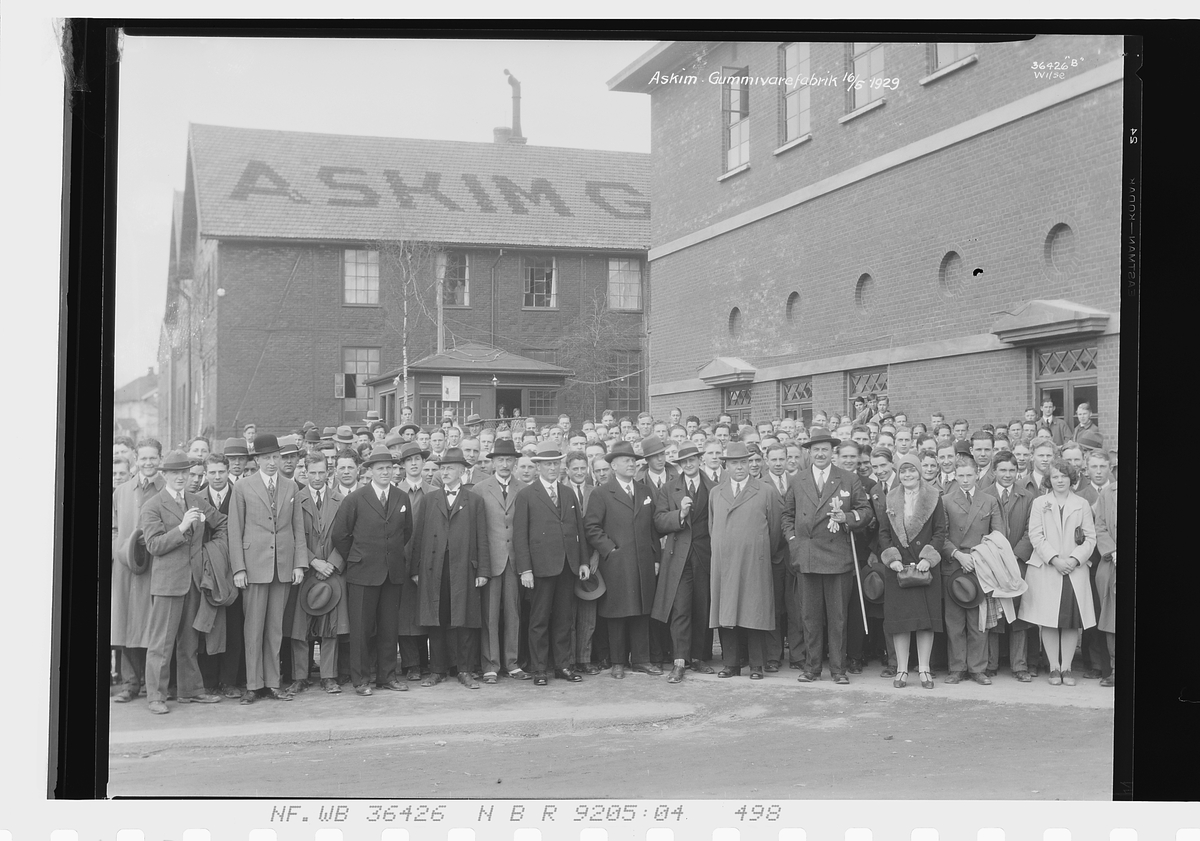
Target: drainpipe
<point>492,272</point>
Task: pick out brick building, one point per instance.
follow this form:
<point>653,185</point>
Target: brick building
<point>304,265</point>
<point>947,233</point>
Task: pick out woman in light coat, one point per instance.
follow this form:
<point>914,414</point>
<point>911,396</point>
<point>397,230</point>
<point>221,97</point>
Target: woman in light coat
<point>1059,598</point>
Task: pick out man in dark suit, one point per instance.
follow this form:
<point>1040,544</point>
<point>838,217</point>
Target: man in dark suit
<point>654,474</point>
<point>982,447</point>
<point>372,526</point>
<point>820,502</point>
<point>410,464</point>
<point>620,526</point>
<point>1015,499</point>
<point>225,671</point>
<point>1056,428</point>
<point>970,515</point>
<point>449,564</point>
<point>268,556</point>
<point>578,482</point>
<point>681,597</point>
<point>175,525</point>
<point>787,596</point>
<point>549,555</point>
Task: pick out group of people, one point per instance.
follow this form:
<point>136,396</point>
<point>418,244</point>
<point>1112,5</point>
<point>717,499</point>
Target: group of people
<point>410,554</point>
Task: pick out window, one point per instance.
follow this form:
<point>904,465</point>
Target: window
<point>624,284</point>
<point>867,66</point>
<point>541,283</point>
<point>540,401</point>
<point>625,381</point>
<point>541,355</point>
<point>735,125</point>
<point>796,400</point>
<point>866,382</point>
<point>360,275</point>
<point>359,364</point>
<point>430,413</point>
<point>1067,376</point>
<point>944,55</point>
<point>454,271</point>
<point>796,91</point>
<point>737,403</point>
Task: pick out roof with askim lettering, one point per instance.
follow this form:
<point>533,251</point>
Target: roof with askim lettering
<point>260,184</point>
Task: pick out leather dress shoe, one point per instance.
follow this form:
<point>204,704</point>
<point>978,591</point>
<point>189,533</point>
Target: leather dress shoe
<point>1109,681</point>
<point>248,697</point>
<point>854,667</point>
<point>701,667</point>
<point>297,686</point>
<point>729,673</point>
<point>124,696</point>
<point>591,669</point>
<point>841,679</point>
<point>539,679</point>
<point>433,679</point>
<point>1055,678</point>
<point>331,686</point>
<point>364,690</point>
<point>1093,674</point>
<point>982,679</point>
<point>888,671</point>
<point>647,668</point>
<point>677,673</point>
<point>797,666</point>
<point>618,671</point>
<point>202,698</point>
<point>489,678</point>
<point>158,708</point>
<point>231,692</point>
<point>414,674</point>
<point>605,664</point>
<point>395,684</point>
<point>279,694</point>
<point>772,666</point>
<point>1024,676</point>
<point>807,677</point>
<point>568,674</point>
<point>520,674</point>
<point>954,677</point>
<point>1068,679</point>
<point>466,680</point>
<point>756,675</point>
<point>991,672</point>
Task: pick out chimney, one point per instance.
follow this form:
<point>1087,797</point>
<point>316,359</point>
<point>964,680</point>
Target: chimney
<point>501,134</point>
<point>516,137</point>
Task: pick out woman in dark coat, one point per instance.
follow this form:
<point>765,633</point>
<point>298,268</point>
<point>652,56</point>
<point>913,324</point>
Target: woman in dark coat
<point>912,533</point>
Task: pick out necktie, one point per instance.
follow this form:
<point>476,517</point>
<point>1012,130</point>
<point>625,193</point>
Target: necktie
<point>737,489</point>
<point>554,495</point>
<point>383,499</point>
<point>820,481</point>
<point>320,499</point>
<point>970,497</point>
<point>271,493</point>
<point>504,490</point>
<point>782,485</point>
<point>1003,495</point>
<point>579,495</point>
<point>692,488</point>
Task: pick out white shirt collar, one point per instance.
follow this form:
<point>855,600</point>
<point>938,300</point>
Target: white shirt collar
<point>549,486</point>
<point>819,472</point>
<point>267,479</point>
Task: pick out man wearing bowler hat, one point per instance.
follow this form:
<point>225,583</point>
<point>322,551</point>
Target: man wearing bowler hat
<point>371,530</point>
<point>822,504</point>
<point>681,598</point>
<point>410,462</point>
<point>500,606</point>
<point>175,526</point>
<point>549,555</point>
<point>619,524</point>
<point>268,555</point>
<point>449,565</point>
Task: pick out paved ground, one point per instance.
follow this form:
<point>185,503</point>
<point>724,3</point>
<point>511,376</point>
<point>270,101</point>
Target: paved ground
<point>637,738</point>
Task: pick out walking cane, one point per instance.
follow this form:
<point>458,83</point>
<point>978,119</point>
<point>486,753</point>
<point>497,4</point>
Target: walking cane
<point>858,577</point>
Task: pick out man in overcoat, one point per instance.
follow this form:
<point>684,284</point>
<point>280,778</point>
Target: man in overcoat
<point>682,596</point>
<point>1015,499</point>
<point>268,556</point>
<point>130,623</point>
<point>449,563</point>
<point>370,531</point>
<point>549,555</point>
<point>414,648</point>
<point>744,521</point>
<point>822,505</point>
<point>787,600</point>
<point>176,524</point>
<point>500,604</point>
<point>620,526</point>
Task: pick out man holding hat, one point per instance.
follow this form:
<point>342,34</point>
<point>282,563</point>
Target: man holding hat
<point>370,531</point>
<point>744,517</point>
<point>175,525</point>
<point>500,604</point>
<point>822,505</point>
<point>268,555</point>
<point>681,598</point>
<point>449,565</point>
<point>620,525</point>
<point>549,554</point>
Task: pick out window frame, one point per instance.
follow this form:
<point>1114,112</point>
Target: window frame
<point>742,125</point>
<point>443,263</point>
<point>526,281</point>
<point>345,277</point>
<point>852,392</point>
<point>1067,381</point>
<point>624,397</point>
<point>873,94</point>
<point>800,408</point>
<point>804,131</point>
<point>366,399</point>
<point>635,263</point>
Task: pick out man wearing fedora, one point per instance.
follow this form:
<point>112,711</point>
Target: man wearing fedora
<point>550,555</point>
<point>619,524</point>
<point>371,531</point>
<point>230,671</point>
<point>131,602</point>
<point>175,526</point>
<point>655,473</point>
<point>823,504</point>
<point>410,462</point>
<point>449,565</point>
<point>268,555</point>
<point>681,598</point>
<point>320,612</point>
<point>500,605</point>
<point>577,480</point>
<point>1016,501</point>
<point>743,520</point>
<point>971,514</point>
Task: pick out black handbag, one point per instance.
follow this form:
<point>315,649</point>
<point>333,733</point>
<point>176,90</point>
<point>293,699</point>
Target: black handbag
<point>1079,535</point>
<point>910,576</point>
